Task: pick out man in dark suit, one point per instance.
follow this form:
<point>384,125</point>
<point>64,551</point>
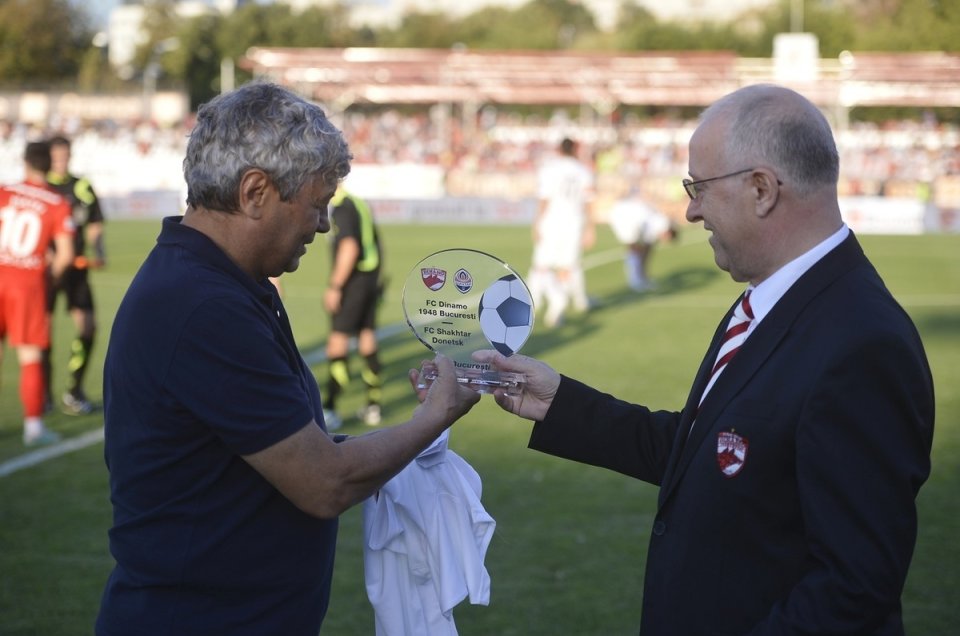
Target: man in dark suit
<point>788,481</point>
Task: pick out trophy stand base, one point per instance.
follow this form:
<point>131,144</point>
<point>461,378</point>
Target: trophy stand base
<point>479,381</point>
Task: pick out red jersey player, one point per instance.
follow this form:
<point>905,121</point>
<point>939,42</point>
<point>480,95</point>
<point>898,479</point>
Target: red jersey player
<point>32,216</point>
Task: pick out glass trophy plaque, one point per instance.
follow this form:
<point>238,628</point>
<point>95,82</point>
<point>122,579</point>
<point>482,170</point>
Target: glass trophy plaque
<point>458,301</point>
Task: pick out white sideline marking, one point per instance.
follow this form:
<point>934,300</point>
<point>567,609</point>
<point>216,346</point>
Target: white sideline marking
<point>92,437</point>
<point>49,452</point>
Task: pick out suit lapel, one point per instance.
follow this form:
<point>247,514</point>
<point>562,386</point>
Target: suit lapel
<point>690,409</point>
<point>749,360</point>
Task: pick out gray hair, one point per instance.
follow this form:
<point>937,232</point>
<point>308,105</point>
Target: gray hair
<point>260,125</point>
<point>781,128</point>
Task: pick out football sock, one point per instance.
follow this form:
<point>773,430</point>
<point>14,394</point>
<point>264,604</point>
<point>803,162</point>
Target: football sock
<point>79,359</point>
<point>31,389</point>
<point>46,365</point>
<point>578,290</point>
<point>339,378</point>
<point>557,299</point>
<point>371,377</point>
<point>32,427</point>
<point>536,284</point>
<point>634,268</point>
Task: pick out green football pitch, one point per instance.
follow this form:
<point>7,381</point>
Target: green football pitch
<point>568,553</point>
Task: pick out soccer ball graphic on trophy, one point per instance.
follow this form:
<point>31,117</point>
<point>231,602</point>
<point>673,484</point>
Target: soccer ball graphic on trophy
<point>506,314</point>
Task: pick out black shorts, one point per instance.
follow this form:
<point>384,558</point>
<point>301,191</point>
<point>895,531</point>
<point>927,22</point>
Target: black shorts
<point>358,304</point>
<point>75,285</point>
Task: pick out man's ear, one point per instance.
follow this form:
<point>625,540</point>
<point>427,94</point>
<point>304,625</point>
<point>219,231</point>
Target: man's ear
<point>255,190</point>
<point>767,187</point>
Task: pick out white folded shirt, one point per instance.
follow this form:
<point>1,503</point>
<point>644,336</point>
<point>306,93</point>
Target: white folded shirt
<point>425,539</point>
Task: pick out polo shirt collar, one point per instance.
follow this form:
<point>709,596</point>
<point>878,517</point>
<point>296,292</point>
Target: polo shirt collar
<point>174,232</point>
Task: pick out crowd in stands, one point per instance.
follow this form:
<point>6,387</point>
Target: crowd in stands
<point>496,154</point>
<point>118,157</point>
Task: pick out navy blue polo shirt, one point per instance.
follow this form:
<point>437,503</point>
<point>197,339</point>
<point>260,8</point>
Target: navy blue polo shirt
<point>200,369</point>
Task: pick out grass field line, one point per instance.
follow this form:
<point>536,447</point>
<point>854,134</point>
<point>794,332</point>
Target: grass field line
<point>49,452</point>
<point>90,438</point>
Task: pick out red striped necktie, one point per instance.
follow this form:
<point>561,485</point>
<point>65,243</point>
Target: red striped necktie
<point>734,337</point>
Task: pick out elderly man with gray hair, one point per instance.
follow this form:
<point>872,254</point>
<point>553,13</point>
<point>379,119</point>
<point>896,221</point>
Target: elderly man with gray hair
<point>225,485</point>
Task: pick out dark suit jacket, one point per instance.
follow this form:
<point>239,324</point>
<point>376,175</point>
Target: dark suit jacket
<point>791,507</point>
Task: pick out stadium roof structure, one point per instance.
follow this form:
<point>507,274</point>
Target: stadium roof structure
<point>346,76</point>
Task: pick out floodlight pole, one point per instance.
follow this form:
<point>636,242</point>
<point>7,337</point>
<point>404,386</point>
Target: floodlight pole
<point>227,76</point>
<point>152,71</point>
<point>796,16</point>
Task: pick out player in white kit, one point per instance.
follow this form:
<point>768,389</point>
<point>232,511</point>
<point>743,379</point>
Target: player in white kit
<point>563,228</point>
<point>639,226</point>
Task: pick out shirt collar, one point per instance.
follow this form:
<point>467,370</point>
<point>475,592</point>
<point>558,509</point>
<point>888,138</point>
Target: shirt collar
<point>765,295</point>
<point>174,232</point>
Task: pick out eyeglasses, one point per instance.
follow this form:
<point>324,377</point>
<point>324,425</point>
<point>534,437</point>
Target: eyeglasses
<point>691,186</point>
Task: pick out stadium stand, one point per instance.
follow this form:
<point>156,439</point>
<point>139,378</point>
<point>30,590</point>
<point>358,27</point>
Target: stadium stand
<point>427,125</point>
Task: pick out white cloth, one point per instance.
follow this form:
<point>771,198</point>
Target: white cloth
<point>425,539</point>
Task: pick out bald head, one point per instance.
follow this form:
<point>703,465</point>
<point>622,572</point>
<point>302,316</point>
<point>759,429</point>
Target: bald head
<point>778,127</point>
